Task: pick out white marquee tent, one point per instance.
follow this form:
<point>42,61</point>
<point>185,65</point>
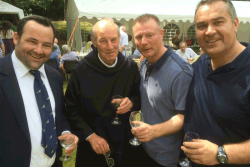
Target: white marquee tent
<point>180,12</point>
<point>6,8</point>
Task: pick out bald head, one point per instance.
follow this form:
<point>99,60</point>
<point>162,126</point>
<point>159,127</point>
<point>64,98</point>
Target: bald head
<point>108,18</point>
<point>123,28</point>
<point>101,25</point>
<point>106,39</point>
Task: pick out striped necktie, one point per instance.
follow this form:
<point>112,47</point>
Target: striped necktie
<point>49,136</point>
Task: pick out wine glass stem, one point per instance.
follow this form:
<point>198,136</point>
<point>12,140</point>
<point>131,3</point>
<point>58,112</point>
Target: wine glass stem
<point>135,138</point>
<point>186,159</point>
<point>66,156</point>
<point>116,116</point>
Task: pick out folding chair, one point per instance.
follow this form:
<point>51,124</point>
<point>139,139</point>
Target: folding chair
<point>68,66</point>
<point>52,63</point>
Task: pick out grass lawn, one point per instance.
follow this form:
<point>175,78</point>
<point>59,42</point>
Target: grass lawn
<point>73,155</point>
<point>72,162</point>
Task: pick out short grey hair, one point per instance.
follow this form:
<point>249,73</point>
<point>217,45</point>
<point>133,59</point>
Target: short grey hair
<point>146,17</point>
<point>66,48</point>
<point>182,43</point>
<point>92,31</point>
<point>54,47</point>
<point>230,7</point>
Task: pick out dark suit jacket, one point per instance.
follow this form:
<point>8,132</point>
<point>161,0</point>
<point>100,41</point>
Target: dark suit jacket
<point>15,142</point>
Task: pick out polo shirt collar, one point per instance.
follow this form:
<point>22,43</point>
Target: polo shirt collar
<point>162,59</point>
<point>237,63</point>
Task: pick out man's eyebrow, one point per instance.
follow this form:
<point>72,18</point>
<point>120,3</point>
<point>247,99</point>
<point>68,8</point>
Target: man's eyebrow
<point>217,18</point>
<point>32,39</point>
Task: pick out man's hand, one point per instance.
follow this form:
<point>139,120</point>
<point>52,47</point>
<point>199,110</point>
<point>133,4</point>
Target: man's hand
<point>201,151</point>
<point>62,68</point>
<point>98,144</point>
<point>125,106</point>
<point>65,135</point>
<point>144,132</point>
<point>189,60</point>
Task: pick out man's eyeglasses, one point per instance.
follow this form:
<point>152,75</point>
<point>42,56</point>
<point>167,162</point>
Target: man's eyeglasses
<point>110,161</point>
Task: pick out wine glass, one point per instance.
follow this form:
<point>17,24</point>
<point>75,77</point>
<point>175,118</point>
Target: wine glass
<point>115,103</point>
<point>135,116</point>
<point>189,136</point>
<point>66,143</point>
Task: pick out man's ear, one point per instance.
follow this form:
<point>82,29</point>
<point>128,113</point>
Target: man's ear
<point>236,24</point>
<point>93,41</point>
<point>162,32</point>
<point>15,38</point>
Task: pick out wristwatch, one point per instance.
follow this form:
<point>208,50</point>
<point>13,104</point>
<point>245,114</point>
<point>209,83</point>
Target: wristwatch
<point>221,155</point>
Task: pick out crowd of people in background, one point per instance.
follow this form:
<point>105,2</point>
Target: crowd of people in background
<point>178,92</point>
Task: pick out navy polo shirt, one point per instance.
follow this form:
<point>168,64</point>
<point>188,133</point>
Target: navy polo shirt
<point>164,86</point>
<point>218,104</point>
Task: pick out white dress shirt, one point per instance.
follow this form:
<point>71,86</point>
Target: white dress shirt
<point>26,85</point>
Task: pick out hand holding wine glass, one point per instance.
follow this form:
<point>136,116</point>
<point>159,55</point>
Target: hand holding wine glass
<point>135,116</point>
<point>189,136</point>
<point>67,141</point>
<point>115,103</point>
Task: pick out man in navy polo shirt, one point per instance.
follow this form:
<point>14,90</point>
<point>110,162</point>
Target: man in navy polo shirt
<point>218,101</point>
<point>165,78</point>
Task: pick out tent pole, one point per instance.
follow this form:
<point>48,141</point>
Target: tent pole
<point>73,32</point>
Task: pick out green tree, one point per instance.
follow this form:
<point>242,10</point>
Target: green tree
<point>52,9</point>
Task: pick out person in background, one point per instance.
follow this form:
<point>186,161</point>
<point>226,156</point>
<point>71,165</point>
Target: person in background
<point>67,56</point>
<point>130,46</point>
<point>7,36</point>
<point>135,55</point>
<point>54,55</point>
<point>123,40</point>
<point>186,53</point>
<point>218,100</point>
<point>32,100</point>
<point>57,51</point>
<point>165,79</point>
<point>89,43</point>
<point>176,39</point>
<point>2,48</point>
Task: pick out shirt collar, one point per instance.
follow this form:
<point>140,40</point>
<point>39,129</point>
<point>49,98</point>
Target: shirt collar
<point>21,70</point>
<point>163,58</point>
<point>238,62</point>
<point>108,66</point>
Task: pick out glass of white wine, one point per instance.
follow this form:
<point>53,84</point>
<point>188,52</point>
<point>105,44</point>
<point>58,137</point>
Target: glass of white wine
<point>66,143</point>
<point>135,116</point>
<point>189,136</point>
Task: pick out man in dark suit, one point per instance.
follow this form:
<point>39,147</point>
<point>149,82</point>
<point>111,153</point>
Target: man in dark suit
<point>23,122</point>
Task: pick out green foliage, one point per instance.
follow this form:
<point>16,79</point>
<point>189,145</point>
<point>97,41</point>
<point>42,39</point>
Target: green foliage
<point>53,9</point>
<point>61,29</point>
<point>86,26</point>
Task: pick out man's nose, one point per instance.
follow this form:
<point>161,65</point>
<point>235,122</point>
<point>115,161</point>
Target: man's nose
<point>109,45</point>
<point>38,49</point>
<point>210,30</point>
<point>144,40</point>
